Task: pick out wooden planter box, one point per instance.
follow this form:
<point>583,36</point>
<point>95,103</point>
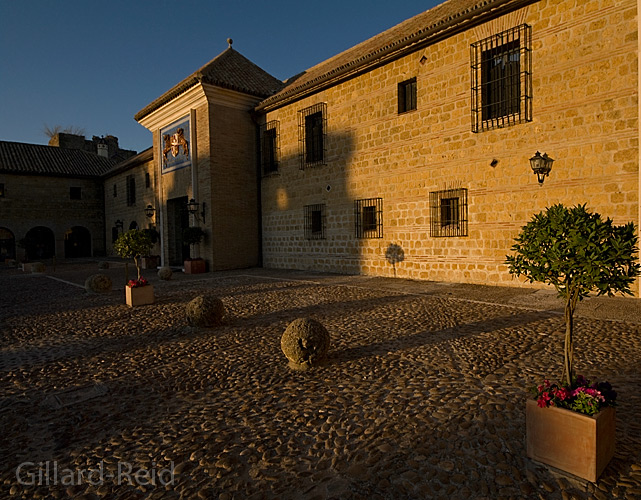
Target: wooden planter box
<point>195,266</point>
<point>139,296</point>
<point>570,441</point>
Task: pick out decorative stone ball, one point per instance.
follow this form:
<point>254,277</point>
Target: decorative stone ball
<point>103,264</point>
<point>205,310</point>
<point>305,342</point>
<point>165,273</point>
<point>98,283</point>
<point>37,267</point>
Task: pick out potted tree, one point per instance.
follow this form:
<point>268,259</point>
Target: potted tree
<point>571,424</point>
<point>134,244</point>
<point>192,236</point>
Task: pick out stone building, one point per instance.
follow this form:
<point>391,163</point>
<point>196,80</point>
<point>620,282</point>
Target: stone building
<point>51,202</point>
<point>409,154</point>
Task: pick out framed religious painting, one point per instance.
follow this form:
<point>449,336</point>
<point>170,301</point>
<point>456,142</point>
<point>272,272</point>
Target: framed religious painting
<point>175,140</point>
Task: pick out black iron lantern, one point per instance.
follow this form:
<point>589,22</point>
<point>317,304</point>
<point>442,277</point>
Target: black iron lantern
<point>149,211</point>
<point>192,208</point>
<point>541,165</point>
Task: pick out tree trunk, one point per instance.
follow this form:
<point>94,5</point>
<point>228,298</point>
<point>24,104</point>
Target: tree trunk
<point>568,366</point>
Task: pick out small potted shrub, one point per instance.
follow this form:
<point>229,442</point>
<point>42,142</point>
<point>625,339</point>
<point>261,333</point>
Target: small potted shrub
<point>571,423</point>
<point>193,236</point>
<point>133,245</point>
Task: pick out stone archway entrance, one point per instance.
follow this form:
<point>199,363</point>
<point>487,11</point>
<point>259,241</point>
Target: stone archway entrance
<point>77,242</point>
<point>7,244</point>
<point>39,243</point>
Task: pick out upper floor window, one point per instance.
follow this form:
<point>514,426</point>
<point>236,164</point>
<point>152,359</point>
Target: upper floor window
<point>407,95</point>
<point>115,190</point>
<point>147,180</point>
<point>131,190</point>
<point>312,129</point>
<point>369,218</point>
<point>502,79</point>
<point>448,212</point>
<point>75,193</point>
<point>315,222</point>
<point>1,189</point>
<point>269,137</point>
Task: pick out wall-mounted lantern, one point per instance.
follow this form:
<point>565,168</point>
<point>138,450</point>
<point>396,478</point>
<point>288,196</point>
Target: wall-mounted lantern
<point>192,208</point>
<point>541,165</point>
<point>149,211</point>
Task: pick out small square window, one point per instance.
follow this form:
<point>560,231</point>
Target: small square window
<point>449,213</point>
<point>315,222</point>
<point>369,218</point>
<point>407,95</point>
<point>75,193</point>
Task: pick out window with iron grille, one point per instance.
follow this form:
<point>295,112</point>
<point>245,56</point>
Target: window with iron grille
<point>147,180</point>
<point>407,95</point>
<point>115,190</point>
<point>502,79</point>
<point>131,190</point>
<point>369,218</point>
<point>448,213</point>
<point>312,131</point>
<point>269,136</point>
<point>315,222</point>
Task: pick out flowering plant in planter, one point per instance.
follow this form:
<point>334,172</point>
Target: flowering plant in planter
<point>582,397</point>
<point>137,283</point>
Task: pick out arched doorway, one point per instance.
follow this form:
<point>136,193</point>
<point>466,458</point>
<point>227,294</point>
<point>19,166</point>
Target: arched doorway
<point>77,242</point>
<point>39,243</point>
<point>7,244</point>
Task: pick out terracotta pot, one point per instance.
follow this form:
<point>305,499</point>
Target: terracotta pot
<point>195,266</point>
<point>139,296</point>
<point>570,441</point>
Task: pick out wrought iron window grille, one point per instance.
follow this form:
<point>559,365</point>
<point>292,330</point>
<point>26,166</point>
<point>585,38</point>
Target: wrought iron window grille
<point>315,222</point>
<point>448,210</point>
<point>131,190</point>
<point>270,147</point>
<point>501,72</point>
<point>368,214</point>
<point>407,95</point>
<point>312,135</point>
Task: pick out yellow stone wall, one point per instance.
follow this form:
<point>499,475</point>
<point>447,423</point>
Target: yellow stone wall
<point>585,116</point>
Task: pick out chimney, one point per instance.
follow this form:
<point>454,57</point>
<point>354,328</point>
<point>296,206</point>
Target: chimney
<point>102,148</point>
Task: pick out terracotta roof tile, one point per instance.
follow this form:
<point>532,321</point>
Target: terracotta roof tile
<point>22,158</point>
<point>230,70</point>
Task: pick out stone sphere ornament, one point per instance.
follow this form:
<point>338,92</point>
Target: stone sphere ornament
<point>165,273</point>
<point>305,342</point>
<point>98,283</point>
<point>205,311</point>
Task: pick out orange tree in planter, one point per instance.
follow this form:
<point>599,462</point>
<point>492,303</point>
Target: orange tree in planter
<point>132,245</point>
<point>577,252</point>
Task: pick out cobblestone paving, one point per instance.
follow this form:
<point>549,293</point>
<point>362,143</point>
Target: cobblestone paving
<point>423,395</point>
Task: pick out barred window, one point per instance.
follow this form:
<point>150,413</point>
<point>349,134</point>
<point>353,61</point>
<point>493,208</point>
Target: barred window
<point>131,190</point>
<point>315,222</point>
<point>369,218</point>
<point>312,130</point>
<point>502,79</point>
<point>115,190</point>
<point>147,180</point>
<point>269,136</point>
<point>407,95</point>
<point>1,189</point>
<point>448,213</point>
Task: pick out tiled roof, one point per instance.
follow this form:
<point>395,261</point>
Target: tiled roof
<point>229,70</point>
<point>431,25</point>
<point>21,158</point>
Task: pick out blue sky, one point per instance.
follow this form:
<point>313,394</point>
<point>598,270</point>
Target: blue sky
<point>93,65</point>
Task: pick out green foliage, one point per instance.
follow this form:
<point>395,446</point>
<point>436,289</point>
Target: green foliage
<point>193,235</point>
<point>133,244</point>
<point>577,252</point>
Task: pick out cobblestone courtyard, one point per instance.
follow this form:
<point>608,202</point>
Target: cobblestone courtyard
<point>423,395</point>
